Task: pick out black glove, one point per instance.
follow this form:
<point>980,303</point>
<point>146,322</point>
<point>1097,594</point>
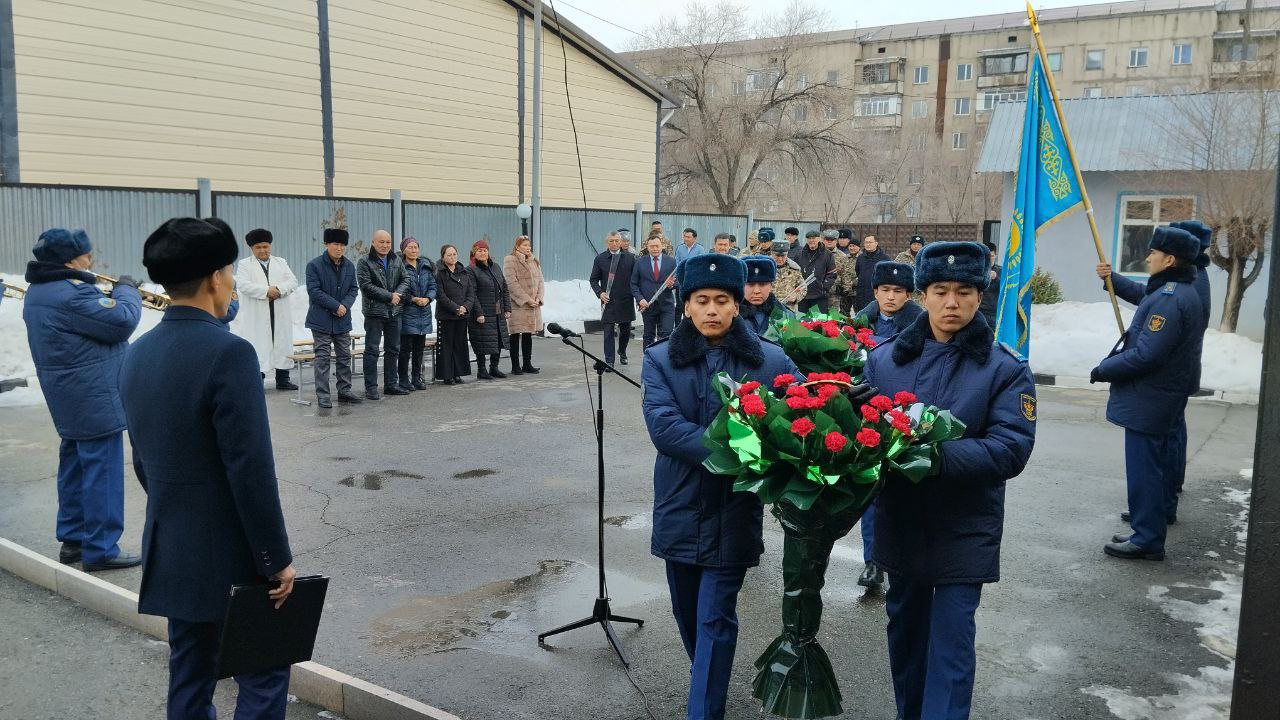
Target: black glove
<point>1095,376</point>
<point>128,280</point>
<point>859,394</point>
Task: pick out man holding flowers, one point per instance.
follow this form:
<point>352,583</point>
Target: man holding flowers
<point>939,540</point>
<point>707,533</point>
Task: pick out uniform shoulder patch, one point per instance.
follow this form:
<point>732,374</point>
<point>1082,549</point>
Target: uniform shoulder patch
<point>1028,407</point>
<point>107,302</point>
<point>1156,323</point>
<point>1009,349</point>
<point>1169,288</point>
<point>75,281</point>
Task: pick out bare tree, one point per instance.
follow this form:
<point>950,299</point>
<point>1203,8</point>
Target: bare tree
<point>752,98</point>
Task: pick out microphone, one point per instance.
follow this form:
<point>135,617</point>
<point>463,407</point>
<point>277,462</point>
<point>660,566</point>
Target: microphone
<point>555,329</point>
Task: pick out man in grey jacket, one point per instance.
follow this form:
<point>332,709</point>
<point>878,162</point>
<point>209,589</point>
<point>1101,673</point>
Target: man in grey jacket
<point>383,285</point>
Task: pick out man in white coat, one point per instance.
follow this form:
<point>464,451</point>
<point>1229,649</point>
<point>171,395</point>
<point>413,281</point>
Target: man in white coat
<point>264,283</point>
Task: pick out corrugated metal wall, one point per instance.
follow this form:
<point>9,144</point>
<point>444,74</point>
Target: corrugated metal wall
<point>571,239</point>
<point>297,223</point>
<point>117,221</point>
<point>437,224</point>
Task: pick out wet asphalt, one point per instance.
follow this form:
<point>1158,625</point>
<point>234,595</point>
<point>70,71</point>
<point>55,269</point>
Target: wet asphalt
<point>459,522</point>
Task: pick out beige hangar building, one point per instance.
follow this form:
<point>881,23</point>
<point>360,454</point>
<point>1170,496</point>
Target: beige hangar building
<point>321,97</point>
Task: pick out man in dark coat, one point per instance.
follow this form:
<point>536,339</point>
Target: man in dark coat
<point>78,337</point>
<point>865,267</point>
<point>202,452</point>
<point>331,292</point>
<point>990,306</point>
<point>816,262</point>
<point>611,282</point>
<point>383,288</point>
<point>1152,373</point>
<point>654,271</point>
<point>939,540</point>
<point>707,533</point>
<point>758,300</point>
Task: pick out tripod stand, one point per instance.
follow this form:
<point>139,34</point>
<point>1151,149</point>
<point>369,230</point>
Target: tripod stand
<point>601,614</point>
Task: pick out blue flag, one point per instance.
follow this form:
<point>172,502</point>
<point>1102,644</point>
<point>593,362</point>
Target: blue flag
<point>1046,191</point>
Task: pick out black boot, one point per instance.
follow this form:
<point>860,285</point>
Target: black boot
<point>282,381</point>
<point>526,349</point>
<point>493,366</point>
<point>514,342</point>
<point>482,368</point>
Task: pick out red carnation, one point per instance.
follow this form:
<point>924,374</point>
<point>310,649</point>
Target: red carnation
<point>826,391</point>
<point>843,377</point>
<point>747,388</point>
<point>753,405</point>
<point>816,403</point>
<point>797,391</point>
<point>835,441</point>
<point>784,379</point>
<point>868,437</point>
<point>831,331</point>
<point>897,416</point>
<point>804,426</point>
<point>881,403</point>
<point>853,345</point>
<point>903,398</point>
<point>870,343</point>
<point>848,330</point>
<point>798,403</point>
<point>870,414</point>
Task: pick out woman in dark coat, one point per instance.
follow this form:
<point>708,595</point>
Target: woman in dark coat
<point>493,308</point>
<point>415,321</point>
<point>455,301</point>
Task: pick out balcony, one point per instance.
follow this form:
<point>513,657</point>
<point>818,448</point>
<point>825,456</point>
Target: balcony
<point>884,88</point>
<point>877,122</point>
<point>1018,79</point>
<point>1225,70</point>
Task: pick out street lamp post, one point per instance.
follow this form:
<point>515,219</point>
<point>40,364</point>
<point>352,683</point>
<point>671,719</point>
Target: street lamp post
<point>524,212</point>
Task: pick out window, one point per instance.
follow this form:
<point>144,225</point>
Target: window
<point>802,82</point>
<point>922,74</point>
<point>1182,54</point>
<point>830,112</point>
<point>991,98</point>
<point>1138,57</point>
<point>710,89</point>
<point>739,87</point>
<point>1135,91</point>
<point>959,141</point>
<point>1004,64</point>
<point>1055,62</point>
<point>762,80</point>
<point>917,143</point>
<point>833,77</point>
<point>962,106</point>
<point>881,72</point>
<point>873,105</point>
<point>1093,59</point>
<point>1235,51</point>
<point>964,71</point>
<point>1093,92</point>
<point>955,173</point>
<point>1139,217</point>
<point>800,113</point>
<point>915,175</point>
<point>919,108</point>
<point>913,208</point>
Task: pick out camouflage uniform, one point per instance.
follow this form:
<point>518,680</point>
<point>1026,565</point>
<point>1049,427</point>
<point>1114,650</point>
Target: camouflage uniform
<point>906,257</point>
<point>841,295</point>
<point>789,279</point>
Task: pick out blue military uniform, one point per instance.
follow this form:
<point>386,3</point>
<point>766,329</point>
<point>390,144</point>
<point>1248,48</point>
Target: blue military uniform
<point>78,337</point>
<point>707,533</point>
<point>761,269</point>
<point>939,541</point>
<point>1152,375</point>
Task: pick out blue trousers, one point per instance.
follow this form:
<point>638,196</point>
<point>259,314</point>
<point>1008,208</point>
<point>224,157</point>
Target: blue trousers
<point>91,495</point>
<point>705,603</point>
<point>931,649</point>
<point>621,337</point>
<point>193,662</point>
<point>1177,464</point>
<point>868,522</point>
<point>1150,463</point>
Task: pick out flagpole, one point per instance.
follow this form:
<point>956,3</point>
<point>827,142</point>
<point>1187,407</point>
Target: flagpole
<point>1075,165</point>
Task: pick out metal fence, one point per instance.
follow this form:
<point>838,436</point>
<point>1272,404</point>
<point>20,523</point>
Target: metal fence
<point>118,221</point>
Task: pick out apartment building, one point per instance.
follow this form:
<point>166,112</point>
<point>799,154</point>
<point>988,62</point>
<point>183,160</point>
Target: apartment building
<point>918,97</point>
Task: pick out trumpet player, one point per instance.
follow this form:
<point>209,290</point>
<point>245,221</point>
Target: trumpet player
<point>78,337</point>
<point>264,283</point>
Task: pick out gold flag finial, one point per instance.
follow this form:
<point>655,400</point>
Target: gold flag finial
<point>1031,16</point>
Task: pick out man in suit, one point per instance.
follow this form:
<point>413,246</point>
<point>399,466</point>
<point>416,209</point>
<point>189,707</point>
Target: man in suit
<point>202,452</point>
<point>611,282</point>
<point>650,273</point>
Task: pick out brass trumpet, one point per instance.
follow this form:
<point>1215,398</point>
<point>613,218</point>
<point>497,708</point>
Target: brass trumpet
<point>151,300</point>
<point>13,291</point>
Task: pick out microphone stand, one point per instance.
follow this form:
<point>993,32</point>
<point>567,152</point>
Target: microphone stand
<point>601,614</point>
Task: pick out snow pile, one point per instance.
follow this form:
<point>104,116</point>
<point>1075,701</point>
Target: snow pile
<point>1070,338</point>
<point>570,303</point>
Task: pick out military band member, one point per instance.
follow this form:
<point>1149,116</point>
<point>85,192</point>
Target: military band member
<point>611,282</point>
<point>78,338</point>
<point>758,301</point>
<point>264,283</point>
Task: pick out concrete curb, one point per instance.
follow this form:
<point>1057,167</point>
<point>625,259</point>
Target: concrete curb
<point>311,682</point>
<point>1078,383</point>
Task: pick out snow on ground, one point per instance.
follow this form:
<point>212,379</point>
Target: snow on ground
<point>1207,695</point>
<point>1070,338</point>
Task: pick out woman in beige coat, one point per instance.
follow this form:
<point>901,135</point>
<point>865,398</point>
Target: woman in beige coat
<point>524,284</point>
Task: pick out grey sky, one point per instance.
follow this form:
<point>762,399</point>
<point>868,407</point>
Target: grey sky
<point>844,13</point>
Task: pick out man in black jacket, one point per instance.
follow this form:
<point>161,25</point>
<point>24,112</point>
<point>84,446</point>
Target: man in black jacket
<point>866,267</point>
<point>816,261</point>
<point>383,284</point>
<point>611,282</point>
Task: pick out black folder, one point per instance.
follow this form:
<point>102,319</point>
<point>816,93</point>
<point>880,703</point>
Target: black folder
<point>256,636</point>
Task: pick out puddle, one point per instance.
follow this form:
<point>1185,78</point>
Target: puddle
<point>403,474</point>
<point>375,480</point>
<point>617,520</point>
<point>477,473</point>
<point>339,458</point>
